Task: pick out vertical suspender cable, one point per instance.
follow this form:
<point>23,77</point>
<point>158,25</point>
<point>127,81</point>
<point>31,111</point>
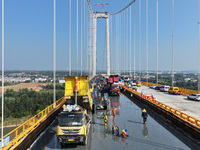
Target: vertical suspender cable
<point>147,36</point>
<point>172,42</point>
<point>157,44</point>
<point>69,37</point>
<point>124,43</point>
<point>88,49</point>
<point>110,42</point>
<point>81,39</point>
<point>139,39</point>
<point>127,41</point>
<point>125,46</point>
<point>130,41</point>
<point>134,42</point>
<point>54,48</point>
<point>120,45</point>
<point>199,45</point>
<point>2,98</point>
<point>77,37</point>
<point>116,48</point>
<point>84,41</point>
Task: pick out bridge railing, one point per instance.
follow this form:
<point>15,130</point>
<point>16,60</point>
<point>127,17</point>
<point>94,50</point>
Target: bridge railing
<point>176,112</point>
<point>182,90</point>
<point>14,137</point>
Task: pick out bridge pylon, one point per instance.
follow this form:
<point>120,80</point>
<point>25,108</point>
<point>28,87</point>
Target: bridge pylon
<point>97,15</point>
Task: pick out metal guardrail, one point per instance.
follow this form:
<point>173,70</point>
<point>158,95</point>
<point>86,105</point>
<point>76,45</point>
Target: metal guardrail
<point>182,90</point>
<point>17,135</point>
<point>176,112</point>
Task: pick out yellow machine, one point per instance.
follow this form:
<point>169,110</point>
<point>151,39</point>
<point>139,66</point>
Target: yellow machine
<point>74,121</point>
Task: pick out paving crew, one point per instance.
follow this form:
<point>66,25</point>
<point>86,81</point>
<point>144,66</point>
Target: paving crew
<point>144,116</point>
<point>113,110</point>
<point>105,118</point>
<point>124,133</point>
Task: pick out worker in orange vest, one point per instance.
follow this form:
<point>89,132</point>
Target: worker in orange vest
<point>113,110</point>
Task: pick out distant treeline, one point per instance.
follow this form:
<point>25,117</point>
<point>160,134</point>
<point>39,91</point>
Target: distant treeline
<point>8,83</point>
<point>181,83</point>
<point>28,102</point>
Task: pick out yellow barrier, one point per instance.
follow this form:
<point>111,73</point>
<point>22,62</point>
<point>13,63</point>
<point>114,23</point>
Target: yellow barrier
<point>176,112</point>
<point>183,91</point>
<point>23,130</point>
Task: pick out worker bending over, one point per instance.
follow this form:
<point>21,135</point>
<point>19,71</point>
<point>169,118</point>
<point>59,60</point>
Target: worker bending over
<point>124,133</point>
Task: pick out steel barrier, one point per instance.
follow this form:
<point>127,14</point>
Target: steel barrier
<point>16,135</point>
<point>182,90</point>
<point>176,112</point>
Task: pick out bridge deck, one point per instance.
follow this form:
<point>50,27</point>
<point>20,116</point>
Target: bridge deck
<point>156,135</point>
<point>179,102</point>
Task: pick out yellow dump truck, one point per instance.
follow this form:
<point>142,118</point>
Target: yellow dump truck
<point>73,123</point>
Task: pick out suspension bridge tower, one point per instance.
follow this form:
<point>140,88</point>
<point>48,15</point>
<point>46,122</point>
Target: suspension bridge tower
<point>97,15</point>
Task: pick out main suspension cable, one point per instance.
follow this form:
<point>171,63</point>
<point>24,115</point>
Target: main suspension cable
<point>124,8</point>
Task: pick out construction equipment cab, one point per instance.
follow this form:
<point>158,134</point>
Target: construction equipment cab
<point>174,90</point>
<point>114,89</point>
<point>73,125</point>
<point>114,85</point>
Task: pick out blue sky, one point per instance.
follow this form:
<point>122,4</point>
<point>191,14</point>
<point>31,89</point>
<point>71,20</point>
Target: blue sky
<point>29,34</point>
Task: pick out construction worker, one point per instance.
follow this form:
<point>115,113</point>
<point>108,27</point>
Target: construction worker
<point>113,110</point>
<point>105,118</point>
<point>107,111</point>
<point>63,106</point>
<point>124,133</point>
<point>144,116</point>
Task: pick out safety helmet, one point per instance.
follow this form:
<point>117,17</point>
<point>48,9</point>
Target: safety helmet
<point>144,110</point>
<point>103,113</point>
<point>126,130</point>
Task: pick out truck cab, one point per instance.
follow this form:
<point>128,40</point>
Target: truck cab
<point>73,127</point>
<point>114,89</point>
